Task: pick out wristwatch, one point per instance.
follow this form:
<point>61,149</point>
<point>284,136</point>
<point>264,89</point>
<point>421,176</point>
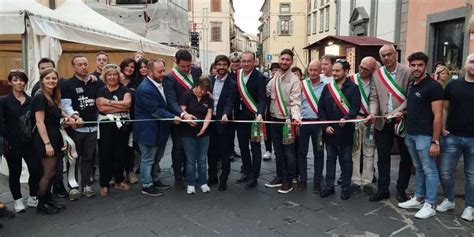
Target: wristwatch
<point>435,142</point>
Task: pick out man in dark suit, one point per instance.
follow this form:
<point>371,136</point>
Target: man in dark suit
<point>223,95</point>
<point>176,83</point>
<point>151,136</point>
<point>250,105</point>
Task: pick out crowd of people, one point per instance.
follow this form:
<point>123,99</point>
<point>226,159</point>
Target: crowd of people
<point>134,107</point>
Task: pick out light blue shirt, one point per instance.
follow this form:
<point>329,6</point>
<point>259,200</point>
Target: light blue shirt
<point>306,110</point>
<point>389,101</point>
<point>216,91</point>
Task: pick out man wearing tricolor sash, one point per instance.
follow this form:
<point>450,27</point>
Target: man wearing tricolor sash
<point>311,92</point>
<point>340,100</point>
<point>250,105</point>
<point>364,135</point>
<point>388,98</point>
<point>175,84</point>
<point>285,107</point>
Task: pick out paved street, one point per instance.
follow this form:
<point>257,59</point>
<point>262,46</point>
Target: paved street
<point>235,212</point>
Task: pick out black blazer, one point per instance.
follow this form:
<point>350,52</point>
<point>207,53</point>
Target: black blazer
<point>328,110</point>
<point>257,89</point>
<point>174,91</point>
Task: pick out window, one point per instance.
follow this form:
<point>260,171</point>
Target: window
<point>326,27</point>
<point>308,10</point>
<point>315,21</point>
<point>215,5</point>
<point>449,43</point>
<point>285,8</point>
<point>216,31</point>
<point>285,26</point>
<point>315,4</point>
<point>135,1</point>
<point>322,2</point>
<point>321,20</point>
<point>308,29</point>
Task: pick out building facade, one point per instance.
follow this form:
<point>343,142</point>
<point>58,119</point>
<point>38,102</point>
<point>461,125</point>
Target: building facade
<point>283,25</point>
<point>445,31</point>
<point>321,22</point>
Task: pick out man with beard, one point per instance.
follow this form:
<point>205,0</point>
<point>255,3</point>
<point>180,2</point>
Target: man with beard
<point>387,97</point>
<point>285,91</point>
<point>175,84</point>
<point>223,95</point>
<point>340,100</point>
<point>250,105</point>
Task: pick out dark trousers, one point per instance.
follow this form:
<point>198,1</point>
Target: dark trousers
<point>232,127</point>
<point>306,132</point>
<point>113,153</point>
<point>178,157</point>
<point>251,164</point>
<point>384,142</point>
<point>219,150</point>
<point>14,162</point>
<point>285,154</point>
<point>268,142</point>
<point>344,153</point>
<point>85,145</point>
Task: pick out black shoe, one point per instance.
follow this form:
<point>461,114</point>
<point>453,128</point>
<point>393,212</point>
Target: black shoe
<point>212,181</point>
<point>379,196</point>
<point>152,191</point>
<point>46,209</point>
<point>327,193</point>
<point>6,213</point>
<point>402,196</point>
<point>355,188</point>
<point>251,184</point>
<point>55,204</point>
<point>368,189</point>
<point>222,187</point>
<point>158,184</point>
<point>345,195</point>
<point>243,179</point>
<point>60,191</point>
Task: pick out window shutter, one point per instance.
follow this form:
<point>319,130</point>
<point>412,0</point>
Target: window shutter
<point>279,27</point>
<point>290,28</point>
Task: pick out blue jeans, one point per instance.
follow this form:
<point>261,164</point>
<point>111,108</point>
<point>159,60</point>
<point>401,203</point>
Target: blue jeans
<point>306,132</point>
<point>285,154</point>
<point>195,149</point>
<point>149,164</point>
<point>452,147</point>
<point>427,176</point>
<point>344,153</point>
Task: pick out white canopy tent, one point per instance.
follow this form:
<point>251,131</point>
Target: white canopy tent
<point>41,30</point>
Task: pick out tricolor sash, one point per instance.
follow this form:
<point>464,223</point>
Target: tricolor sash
<point>310,94</point>
<point>288,130</point>
<point>338,97</point>
<point>389,82</point>
<point>244,93</point>
<point>182,79</point>
<point>364,108</point>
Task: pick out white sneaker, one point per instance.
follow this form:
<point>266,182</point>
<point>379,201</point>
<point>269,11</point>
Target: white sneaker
<point>32,201</point>
<point>445,205</point>
<point>467,214</point>
<point>191,190</point>
<point>205,188</point>
<point>411,204</point>
<point>267,155</point>
<point>19,206</point>
<point>88,192</point>
<point>426,212</point>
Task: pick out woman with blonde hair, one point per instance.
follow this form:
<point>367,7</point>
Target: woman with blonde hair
<point>47,139</point>
<point>113,102</point>
<point>442,75</point>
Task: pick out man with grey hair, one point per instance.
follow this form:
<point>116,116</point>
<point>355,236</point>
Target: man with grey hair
<point>387,98</point>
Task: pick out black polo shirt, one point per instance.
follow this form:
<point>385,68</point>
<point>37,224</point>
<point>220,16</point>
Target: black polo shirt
<point>419,113</point>
<point>196,108</point>
<point>460,95</point>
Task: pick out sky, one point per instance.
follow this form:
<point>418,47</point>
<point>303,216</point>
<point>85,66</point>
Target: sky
<point>247,13</point>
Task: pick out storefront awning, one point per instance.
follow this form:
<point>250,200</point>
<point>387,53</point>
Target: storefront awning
<point>354,40</point>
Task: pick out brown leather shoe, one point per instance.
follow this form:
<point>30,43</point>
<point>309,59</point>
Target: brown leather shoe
<point>301,186</point>
<point>317,188</point>
<point>179,184</point>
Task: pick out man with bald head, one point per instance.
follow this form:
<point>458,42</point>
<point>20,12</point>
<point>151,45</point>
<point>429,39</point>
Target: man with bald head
<point>364,139</point>
<point>311,87</point>
<point>388,98</point>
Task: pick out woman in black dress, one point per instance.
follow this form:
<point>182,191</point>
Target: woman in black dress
<point>16,105</point>
<point>47,139</point>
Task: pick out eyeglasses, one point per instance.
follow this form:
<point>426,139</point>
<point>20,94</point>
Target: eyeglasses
<point>17,70</point>
<point>111,66</point>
